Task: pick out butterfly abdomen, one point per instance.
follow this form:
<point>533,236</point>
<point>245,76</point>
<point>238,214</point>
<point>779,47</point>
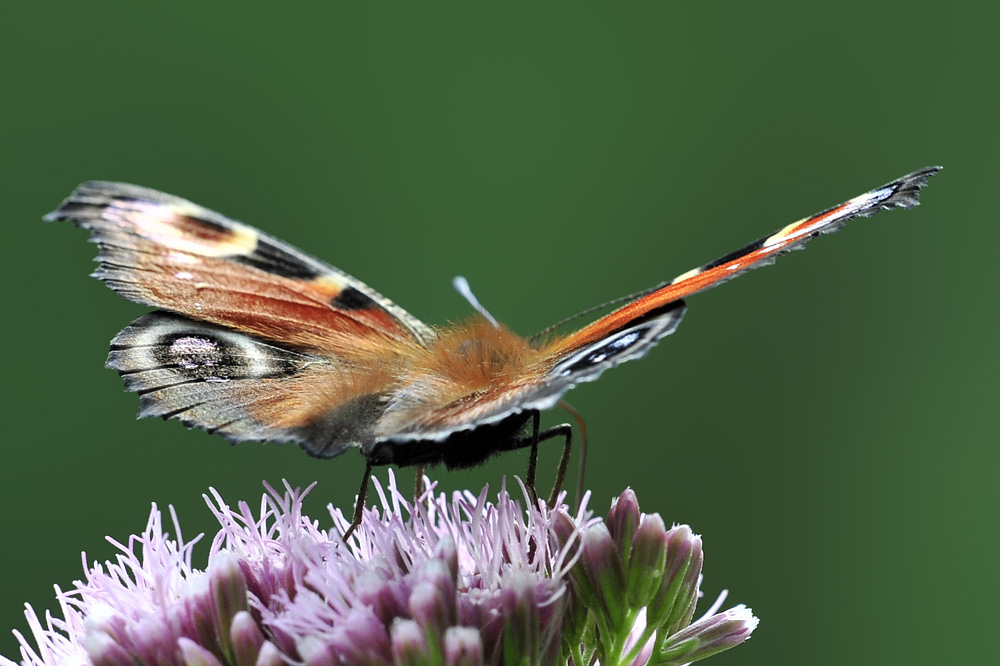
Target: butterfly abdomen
<point>459,449</point>
<point>348,424</point>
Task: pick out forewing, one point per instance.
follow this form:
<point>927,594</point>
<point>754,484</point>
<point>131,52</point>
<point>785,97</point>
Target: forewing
<point>243,388</point>
<point>630,331</point>
<point>900,193</point>
<point>161,250</point>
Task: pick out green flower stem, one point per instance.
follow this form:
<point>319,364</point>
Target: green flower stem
<point>647,633</point>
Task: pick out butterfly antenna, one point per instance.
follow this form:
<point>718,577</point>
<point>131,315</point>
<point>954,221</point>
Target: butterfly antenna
<point>615,301</point>
<point>461,285</point>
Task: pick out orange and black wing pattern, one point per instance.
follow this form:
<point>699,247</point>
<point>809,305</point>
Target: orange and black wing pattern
<point>160,250</point>
<point>900,193</point>
<point>257,340</point>
<point>554,366</point>
<point>260,341</point>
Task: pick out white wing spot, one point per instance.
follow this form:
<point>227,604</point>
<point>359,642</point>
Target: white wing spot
<point>623,342</point>
<point>194,352</point>
<point>874,196</point>
<point>183,258</point>
<point>684,276</point>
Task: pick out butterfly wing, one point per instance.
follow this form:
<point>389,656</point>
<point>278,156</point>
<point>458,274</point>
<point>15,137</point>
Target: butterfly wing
<point>900,193</point>
<point>630,331</point>
<point>242,388</point>
<point>160,250</point>
<point>267,343</point>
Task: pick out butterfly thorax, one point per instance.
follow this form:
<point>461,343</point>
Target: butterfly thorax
<point>467,364</point>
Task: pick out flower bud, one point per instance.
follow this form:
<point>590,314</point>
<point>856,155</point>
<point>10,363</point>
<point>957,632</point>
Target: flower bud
<point>246,639</point>
<point>228,587</point>
<point>673,604</point>
<point>269,655</point>
<point>432,601</point>
<point>194,654</point>
<point>622,521</point>
<point>103,650</point>
<point>709,636</point>
<point>521,643</point>
<point>644,572</point>
<point>599,575</point>
<point>463,647</point>
<point>409,646</point>
<point>447,552</point>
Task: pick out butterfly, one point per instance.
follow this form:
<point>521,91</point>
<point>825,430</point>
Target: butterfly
<point>256,340</point>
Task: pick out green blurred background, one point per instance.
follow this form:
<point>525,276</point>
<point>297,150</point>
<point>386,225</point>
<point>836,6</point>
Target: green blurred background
<point>828,424</point>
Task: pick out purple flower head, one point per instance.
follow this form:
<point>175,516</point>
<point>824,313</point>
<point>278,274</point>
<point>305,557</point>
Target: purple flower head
<point>449,581</point>
<point>640,583</point>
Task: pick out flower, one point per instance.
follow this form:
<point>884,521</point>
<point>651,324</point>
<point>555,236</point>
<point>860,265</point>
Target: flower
<point>441,581</point>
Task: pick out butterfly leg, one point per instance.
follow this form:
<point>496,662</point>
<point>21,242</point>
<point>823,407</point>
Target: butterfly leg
<point>418,484</point>
<point>582,426</point>
<point>359,507</point>
<point>566,431</point>
<point>563,430</point>
<point>529,480</point>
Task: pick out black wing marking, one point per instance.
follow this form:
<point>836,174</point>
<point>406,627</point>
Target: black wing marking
<point>230,383</point>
